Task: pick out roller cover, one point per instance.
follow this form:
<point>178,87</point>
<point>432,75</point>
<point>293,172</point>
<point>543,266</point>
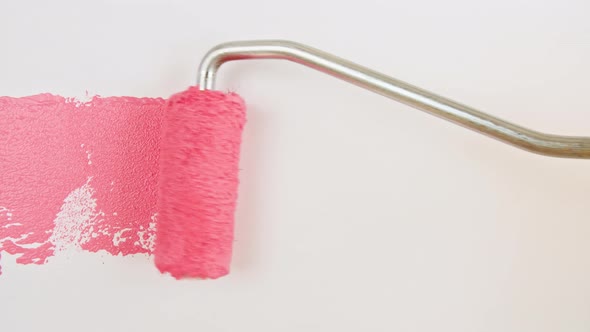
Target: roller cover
<point>198,183</point>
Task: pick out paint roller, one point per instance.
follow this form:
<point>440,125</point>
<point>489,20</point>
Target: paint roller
<point>201,144</point>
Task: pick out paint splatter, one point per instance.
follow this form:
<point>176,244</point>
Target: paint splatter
<point>78,175</point>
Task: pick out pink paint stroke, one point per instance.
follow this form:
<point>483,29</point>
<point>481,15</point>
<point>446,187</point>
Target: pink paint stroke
<point>95,163</point>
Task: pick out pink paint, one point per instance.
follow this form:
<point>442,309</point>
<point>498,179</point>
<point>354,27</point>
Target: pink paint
<point>80,175</point>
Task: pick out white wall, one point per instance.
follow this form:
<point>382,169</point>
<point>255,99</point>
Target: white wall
<point>356,213</point>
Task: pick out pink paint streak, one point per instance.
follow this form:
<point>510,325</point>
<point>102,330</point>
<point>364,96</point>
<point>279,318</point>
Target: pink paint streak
<point>80,175</point>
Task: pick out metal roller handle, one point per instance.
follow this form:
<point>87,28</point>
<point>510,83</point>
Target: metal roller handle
<point>524,138</point>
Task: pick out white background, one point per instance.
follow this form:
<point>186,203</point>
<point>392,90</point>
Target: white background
<point>356,213</point>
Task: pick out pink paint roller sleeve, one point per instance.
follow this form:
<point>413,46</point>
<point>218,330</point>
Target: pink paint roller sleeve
<point>198,183</point>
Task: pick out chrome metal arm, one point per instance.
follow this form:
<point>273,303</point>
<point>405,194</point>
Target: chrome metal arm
<point>524,138</point>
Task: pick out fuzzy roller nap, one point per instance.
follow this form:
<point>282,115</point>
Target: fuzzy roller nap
<point>198,183</point>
